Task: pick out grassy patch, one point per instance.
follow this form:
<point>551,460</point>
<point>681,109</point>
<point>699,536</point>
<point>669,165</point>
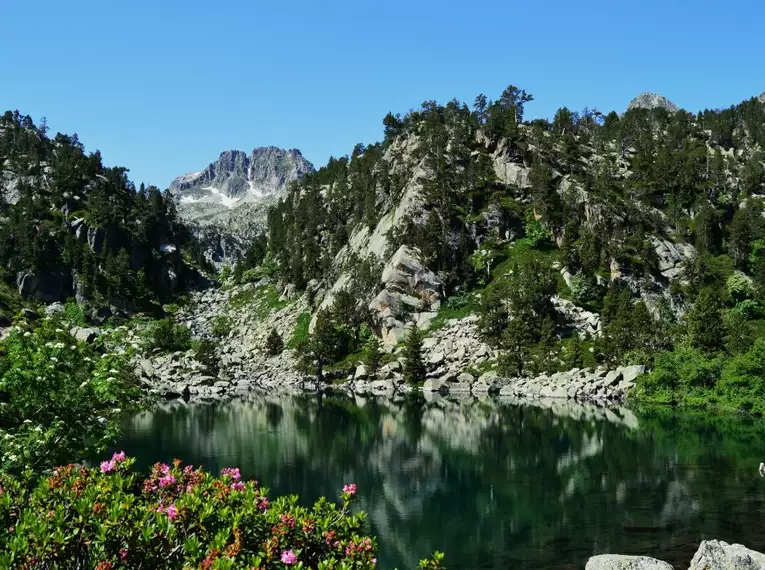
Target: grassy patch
<point>456,307</point>
<point>301,330</point>
<point>350,361</point>
<point>260,301</point>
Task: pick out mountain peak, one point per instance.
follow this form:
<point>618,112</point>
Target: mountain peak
<point>237,177</point>
<point>652,101</point>
<point>762,97</point>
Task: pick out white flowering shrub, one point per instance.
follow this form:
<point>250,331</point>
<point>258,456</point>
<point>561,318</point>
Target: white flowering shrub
<point>58,397</point>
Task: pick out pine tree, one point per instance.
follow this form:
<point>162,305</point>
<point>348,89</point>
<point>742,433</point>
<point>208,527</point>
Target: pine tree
<point>706,329</point>
<point>274,343</point>
<point>374,355</point>
<point>414,367</point>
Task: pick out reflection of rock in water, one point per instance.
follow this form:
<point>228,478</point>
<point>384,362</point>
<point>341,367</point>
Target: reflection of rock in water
<point>466,476</point>
<point>679,506</point>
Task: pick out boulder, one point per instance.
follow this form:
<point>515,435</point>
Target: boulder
<point>466,378</point>
<point>85,334</point>
<point>361,372</point>
<point>436,359</point>
<point>55,308</point>
<point>435,385</point>
<point>620,562</point>
<point>29,314</point>
<point>630,373</point>
<point>719,555</point>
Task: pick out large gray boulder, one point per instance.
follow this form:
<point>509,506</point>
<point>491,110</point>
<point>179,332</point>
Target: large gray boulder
<point>620,562</point>
<point>719,555</point>
<point>85,334</point>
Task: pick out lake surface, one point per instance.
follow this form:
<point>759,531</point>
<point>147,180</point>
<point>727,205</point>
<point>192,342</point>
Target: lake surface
<point>492,484</point>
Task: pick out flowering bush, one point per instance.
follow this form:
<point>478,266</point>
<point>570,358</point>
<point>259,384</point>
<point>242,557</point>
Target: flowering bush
<point>179,517</point>
<point>58,397</point>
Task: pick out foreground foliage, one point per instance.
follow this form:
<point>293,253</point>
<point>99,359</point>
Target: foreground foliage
<point>690,377</point>
<point>177,517</point>
<point>58,397</point>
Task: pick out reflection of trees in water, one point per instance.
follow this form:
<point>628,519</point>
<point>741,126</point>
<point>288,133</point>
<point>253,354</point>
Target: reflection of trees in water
<point>532,485</point>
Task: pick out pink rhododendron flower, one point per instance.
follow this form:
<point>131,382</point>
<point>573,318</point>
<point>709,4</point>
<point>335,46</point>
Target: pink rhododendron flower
<point>172,512</point>
<point>232,472</point>
<point>167,480</point>
<point>107,466</point>
<point>164,468</point>
<point>289,558</point>
<point>374,561</point>
<point>263,504</point>
<point>119,457</point>
<point>350,489</point>
<point>123,554</point>
<point>237,486</point>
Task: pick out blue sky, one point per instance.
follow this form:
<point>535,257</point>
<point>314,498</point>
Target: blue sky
<point>163,86</point>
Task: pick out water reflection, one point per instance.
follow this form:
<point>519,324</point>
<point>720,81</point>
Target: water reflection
<point>492,484</point>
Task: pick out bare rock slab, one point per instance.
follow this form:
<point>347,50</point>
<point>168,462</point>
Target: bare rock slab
<point>620,562</point>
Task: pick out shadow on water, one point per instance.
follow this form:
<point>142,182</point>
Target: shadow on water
<point>493,484</point>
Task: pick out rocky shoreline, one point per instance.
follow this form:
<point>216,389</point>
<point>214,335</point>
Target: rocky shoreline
<point>458,362</point>
<point>711,555</point>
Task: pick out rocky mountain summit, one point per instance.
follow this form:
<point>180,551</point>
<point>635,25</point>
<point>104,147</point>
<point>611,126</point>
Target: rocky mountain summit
<point>225,204</point>
<point>652,101</point>
<point>236,177</point>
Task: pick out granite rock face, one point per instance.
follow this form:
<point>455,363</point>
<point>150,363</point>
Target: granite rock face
<point>652,101</point>
<point>620,562</point>
<point>237,176</point>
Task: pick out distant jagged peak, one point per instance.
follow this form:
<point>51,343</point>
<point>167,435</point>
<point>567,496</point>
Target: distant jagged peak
<point>237,177</point>
<point>652,101</point>
<point>762,97</point>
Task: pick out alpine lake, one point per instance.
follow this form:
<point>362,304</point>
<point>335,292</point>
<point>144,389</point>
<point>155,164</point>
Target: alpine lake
<point>491,483</point>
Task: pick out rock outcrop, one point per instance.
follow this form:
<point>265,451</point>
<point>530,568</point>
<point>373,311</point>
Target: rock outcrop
<point>411,296</point>
<point>652,101</point>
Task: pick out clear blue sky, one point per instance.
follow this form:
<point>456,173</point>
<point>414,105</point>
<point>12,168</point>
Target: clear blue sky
<point>163,86</point>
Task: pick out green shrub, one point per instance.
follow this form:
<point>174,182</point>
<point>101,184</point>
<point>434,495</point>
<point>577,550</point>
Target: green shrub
<point>170,336</point>
<point>74,313</point>
<point>739,287</point>
<point>584,288</point>
<point>177,517</point>
<point>171,308</point>
<point>59,398</point>
<point>536,232</point>
<point>221,326</point>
